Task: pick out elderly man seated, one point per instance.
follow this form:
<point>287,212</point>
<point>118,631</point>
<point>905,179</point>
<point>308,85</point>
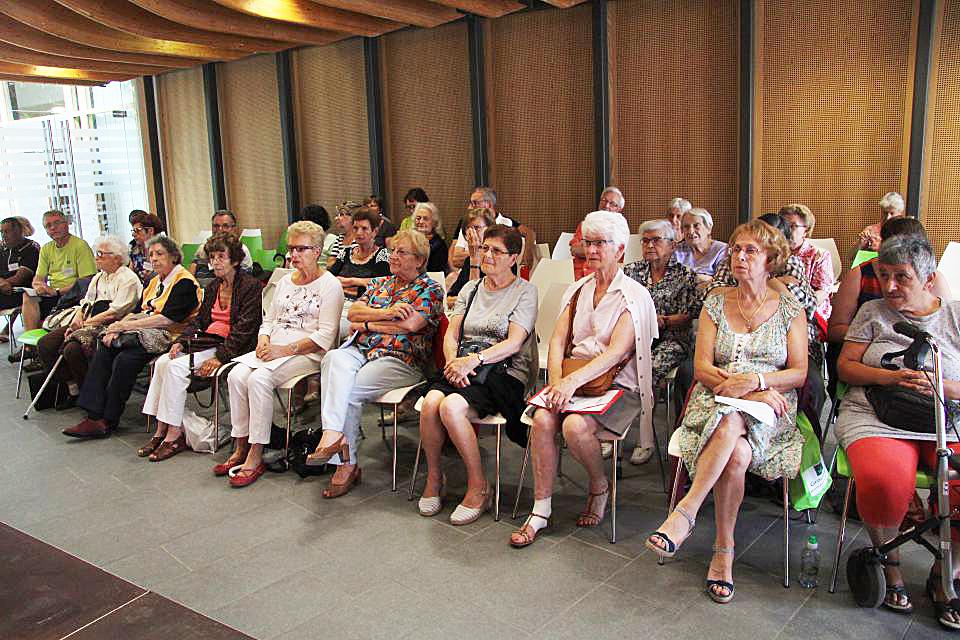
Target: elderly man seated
<point>610,200</point>
<point>18,262</point>
<point>223,221</point>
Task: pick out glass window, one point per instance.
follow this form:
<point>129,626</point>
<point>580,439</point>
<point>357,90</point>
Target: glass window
<point>30,100</point>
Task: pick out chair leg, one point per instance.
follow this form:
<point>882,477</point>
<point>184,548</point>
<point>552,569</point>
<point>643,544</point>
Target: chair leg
<point>786,533</point>
<point>416,468</point>
<point>496,490</point>
<point>523,471</point>
<point>20,372</point>
<point>840,535</point>
<point>286,444</point>
<point>383,426</point>
<point>216,413</point>
<point>395,407</point>
<point>613,493</point>
<point>663,471</point>
<point>669,396</point>
<point>672,502</point>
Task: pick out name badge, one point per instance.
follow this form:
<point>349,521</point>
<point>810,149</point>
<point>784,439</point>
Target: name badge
<point>69,272</point>
<point>147,266</point>
<point>13,266</point>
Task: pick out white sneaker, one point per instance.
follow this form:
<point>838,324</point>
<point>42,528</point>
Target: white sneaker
<point>606,450</point>
<point>641,455</point>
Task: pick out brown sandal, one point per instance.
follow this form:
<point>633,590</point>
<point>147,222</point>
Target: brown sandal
<point>335,489</point>
<point>526,535</point>
<point>150,447</point>
<point>169,449</point>
<point>587,517</point>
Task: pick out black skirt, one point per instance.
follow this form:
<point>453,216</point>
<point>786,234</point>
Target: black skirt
<point>501,393</point>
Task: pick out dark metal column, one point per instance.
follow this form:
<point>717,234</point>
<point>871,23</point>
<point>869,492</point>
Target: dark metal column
<point>601,97</point>
<point>371,62</point>
<point>153,139</point>
<point>481,163</point>
<point>214,141</point>
<point>918,121</point>
<point>288,135</point>
<point>745,137</point>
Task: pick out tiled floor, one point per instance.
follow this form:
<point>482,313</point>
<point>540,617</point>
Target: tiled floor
<point>275,560</point>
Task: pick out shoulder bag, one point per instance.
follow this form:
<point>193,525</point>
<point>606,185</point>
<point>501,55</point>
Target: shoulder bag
<point>602,383</point>
<point>902,408</point>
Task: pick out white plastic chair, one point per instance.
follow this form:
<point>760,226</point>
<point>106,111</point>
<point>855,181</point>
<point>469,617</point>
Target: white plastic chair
<point>561,250</point>
<point>394,397</point>
<point>551,271</point>
<point>547,319</point>
<point>949,267</point>
<point>830,246</point>
<point>11,316</point>
<point>634,249</point>
<point>543,251</point>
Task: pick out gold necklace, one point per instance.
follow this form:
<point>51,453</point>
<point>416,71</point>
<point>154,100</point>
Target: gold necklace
<point>749,320</point>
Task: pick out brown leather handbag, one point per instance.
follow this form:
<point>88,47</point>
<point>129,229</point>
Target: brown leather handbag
<point>602,383</point>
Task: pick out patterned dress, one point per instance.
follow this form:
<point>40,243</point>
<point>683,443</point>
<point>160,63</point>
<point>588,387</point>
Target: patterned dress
<point>776,449</point>
<point>675,293</point>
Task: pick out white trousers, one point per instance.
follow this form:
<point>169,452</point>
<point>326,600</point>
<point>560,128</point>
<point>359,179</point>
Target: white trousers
<point>167,395</point>
<point>348,380</point>
<point>251,396</point>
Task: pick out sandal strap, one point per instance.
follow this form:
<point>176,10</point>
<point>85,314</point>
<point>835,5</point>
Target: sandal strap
<point>720,583</point>
<point>534,515</point>
<point>717,549</point>
<point>690,519</point>
<point>671,546</point>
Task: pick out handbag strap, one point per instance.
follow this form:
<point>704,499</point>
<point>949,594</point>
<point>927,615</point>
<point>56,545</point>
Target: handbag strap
<point>473,294</point>
<point>568,349</point>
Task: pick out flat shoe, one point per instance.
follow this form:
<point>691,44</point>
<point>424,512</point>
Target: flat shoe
<point>335,490</point>
<point>641,455</point>
<point>167,450</point>
<point>246,478</point>
<point>468,515</point>
<point>429,507</point>
<point>150,447</point>
<point>223,468</point>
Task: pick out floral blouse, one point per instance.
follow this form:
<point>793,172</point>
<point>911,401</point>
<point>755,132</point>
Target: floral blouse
<point>415,349</point>
<point>675,293</point>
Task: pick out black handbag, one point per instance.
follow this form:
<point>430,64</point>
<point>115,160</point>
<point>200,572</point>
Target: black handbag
<point>200,341</point>
<point>902,408</point>
<point>481,373</point>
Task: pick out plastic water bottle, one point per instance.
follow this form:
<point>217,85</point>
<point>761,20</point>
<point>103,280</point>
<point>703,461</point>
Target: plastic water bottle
<point>809,563</point>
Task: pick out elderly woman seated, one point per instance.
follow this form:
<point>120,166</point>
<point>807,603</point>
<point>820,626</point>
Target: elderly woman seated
<point>169,301</point>
<point>673,287</point>
<point>884,458</point>
<point>395,322</point>
<point>676,209</point>
<point>360,262</point>
<point>474,224</point>
<point>751,344</point>
<point>817,264</point>
<point>113,293</point>
<point>609,322</point>
<point>698,250</point>
<point>488,362</point>
<point>426,220</point>
<point>891,206</point>
<point>225,327</point>
<point>300,327</point>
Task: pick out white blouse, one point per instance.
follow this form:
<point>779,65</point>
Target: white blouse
<point>305,311</point>
<point>122,288</point>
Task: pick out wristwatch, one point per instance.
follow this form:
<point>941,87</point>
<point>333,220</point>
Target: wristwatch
<point>479,356</point>
<point>763,383</point>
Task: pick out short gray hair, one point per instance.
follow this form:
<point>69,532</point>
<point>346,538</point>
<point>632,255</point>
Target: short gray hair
<point>609,224</point>
<point>169,245</point>
<point>113,245</point>
<point>418,242</point>
<point>892,200</point>
<point>680,203</point>
<point>54,213</point>
<point>616,192</point>
<point>489,195</point>
<point>911,249</point>
<point>434,212</point>
<point>661,226</point>
<point>703,214</point>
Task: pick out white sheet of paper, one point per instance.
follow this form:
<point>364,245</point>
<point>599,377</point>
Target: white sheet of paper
<point>252,361</point>
<point>581,403</point>
<point>759,410</point>
<point>26,290</point>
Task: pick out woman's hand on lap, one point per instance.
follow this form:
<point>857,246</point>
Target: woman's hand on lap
<point>737,385</point>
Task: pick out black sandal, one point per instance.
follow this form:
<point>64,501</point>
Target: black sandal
<point>896,591</point>
<point>941,609</point>
<point>671,549</point>
<point>723,584</point>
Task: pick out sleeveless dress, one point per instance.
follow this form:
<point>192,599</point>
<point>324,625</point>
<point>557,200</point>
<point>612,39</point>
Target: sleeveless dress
<point>776,449</point>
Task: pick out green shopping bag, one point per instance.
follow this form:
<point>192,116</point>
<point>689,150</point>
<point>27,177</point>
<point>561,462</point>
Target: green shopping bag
<point>813,481</point>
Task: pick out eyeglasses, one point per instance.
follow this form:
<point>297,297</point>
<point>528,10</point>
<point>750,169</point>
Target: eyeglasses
<point>794,227</point>
<point>484,248</point>
<point>300,248</point>
<point>479,204</point>
<point>596,243</point>
<point>653,240</point>
<point>138,229</point>
<point>402,253</point>
<point>750,250</point>
<point>224,227</point>
<point>104,254</point>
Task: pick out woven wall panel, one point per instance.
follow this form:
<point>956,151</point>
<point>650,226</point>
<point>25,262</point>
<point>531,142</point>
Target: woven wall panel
<point>835,96</point>
<point>185,155</point>
<point>674,68</point>
<point>542,118</point>
<point>330,104</point>
<point>252,146</point>
<point>427,120</point>
<point>943,189</point>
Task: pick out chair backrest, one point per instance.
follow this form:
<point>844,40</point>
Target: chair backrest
<point>253,239</point>
<point>543,250</point>
<point>266,296</point>
<point>561,250</point>
<point>549,310</point>
<point>829,245</point>
<point>188,249</point>
<point>550,271</point>
<point>634,249</point>
<point>862,256</point>
<point>950,267</point>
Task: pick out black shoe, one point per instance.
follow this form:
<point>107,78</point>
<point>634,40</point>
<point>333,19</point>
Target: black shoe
<point>15,356</point>
<point>33,366</point>
<point>68,402</point>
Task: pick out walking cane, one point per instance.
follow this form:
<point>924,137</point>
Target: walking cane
<point>43,387</point>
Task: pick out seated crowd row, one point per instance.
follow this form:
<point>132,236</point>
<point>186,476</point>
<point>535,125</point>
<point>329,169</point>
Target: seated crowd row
<point>764,303</point>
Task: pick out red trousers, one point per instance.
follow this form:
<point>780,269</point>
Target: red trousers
<point>885,470</point>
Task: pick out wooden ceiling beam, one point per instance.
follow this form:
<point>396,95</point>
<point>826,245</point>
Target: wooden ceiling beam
<point>310,14</point>
<point>564,4</point>
<point>485,8</point>
<point>127,17</point>
<point>421,13</point>
<point>19,55</point>
<point>61,72</point>
<point>25,36</point>
<point>12,77</point>
<point>206,14</point>
<point>57,20</point>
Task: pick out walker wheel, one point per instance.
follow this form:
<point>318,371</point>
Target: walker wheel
<point>865,577</point>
